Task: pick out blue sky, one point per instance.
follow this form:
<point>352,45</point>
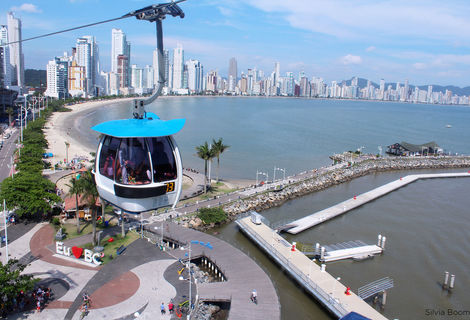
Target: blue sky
<point>425,41</point>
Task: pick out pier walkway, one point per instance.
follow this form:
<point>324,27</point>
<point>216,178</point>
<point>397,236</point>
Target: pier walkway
<point>324,287</point>
<point>241,274</point>
<point>357,201</point>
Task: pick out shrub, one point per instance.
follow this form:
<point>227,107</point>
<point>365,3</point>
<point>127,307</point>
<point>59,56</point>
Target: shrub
<point>212,215</point>
<point>56,221</point>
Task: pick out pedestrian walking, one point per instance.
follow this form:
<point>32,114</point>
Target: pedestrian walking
<point>170,307</point>
<point>162,308</point>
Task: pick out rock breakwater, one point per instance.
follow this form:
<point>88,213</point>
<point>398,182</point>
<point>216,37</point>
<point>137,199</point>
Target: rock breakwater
<point>327,178</point>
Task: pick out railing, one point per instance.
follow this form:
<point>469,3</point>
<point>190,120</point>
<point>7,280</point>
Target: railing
<point>335,306</point>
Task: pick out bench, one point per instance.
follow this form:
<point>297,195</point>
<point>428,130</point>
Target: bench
<point>120,250</point>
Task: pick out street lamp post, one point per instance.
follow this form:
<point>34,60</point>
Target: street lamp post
<point>334,285</point>
<point>6,231</point>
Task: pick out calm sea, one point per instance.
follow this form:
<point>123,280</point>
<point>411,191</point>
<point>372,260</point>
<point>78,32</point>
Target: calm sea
<point>297,134</point>
<point>426,223</point>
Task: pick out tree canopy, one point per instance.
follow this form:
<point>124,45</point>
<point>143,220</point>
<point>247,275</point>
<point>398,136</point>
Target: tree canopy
<point>12,282</point>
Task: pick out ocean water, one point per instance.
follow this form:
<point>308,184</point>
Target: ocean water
<point>426,223</point>
<point>295,134</point>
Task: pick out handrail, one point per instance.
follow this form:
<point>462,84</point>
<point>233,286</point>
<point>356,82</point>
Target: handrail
<point>338,306</point>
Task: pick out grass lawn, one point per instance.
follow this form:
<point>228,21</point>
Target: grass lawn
<point>85,228</point>
<point>110,247</point>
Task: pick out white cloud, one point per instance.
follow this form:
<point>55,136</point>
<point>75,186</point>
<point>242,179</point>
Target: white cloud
<point>371,48</point>
<point>27,7</point>
<point>351,59</point>
<point>426,19</point>
<point>225,11</point>
<point>419,66</point>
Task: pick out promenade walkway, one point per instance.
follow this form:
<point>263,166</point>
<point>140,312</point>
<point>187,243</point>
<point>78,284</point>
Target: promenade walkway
<point>357,201</point>
<point>242,274</point>
<point>324,287</point>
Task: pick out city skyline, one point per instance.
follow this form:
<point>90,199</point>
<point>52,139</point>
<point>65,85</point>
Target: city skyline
<point>426,43</point>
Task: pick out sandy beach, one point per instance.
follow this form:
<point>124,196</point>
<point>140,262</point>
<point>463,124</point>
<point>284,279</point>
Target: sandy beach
<point>63,127</point>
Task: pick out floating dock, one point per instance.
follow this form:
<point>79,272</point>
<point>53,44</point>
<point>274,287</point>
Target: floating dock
<point>357,201</point>
<point>346,250</point>
<point>322,286</point>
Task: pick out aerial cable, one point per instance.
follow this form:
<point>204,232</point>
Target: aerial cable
<point>156,11</point>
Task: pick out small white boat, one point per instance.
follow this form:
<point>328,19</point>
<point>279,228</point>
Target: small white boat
<point>448,126</point>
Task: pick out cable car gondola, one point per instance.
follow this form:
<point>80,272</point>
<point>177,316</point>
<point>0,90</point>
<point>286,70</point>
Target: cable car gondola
<point>138,166</point>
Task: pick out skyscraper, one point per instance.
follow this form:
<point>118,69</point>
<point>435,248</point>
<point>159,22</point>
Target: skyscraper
<point>166,62</point>
<point>83,59</point>
<point>232,74</point>
<point>178,67</point>
<point>277,74</point>
<point>119,46</point>
<point>148,77</point>
<point>92,68</point>
<point>57,78</point>
<point>195,76</point>
<point>16,53</point>
<point>5,70</point>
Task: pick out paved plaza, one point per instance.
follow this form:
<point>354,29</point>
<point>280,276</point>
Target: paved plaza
<point>134,284</point>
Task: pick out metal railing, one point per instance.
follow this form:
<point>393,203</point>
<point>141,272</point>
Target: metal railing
<point>335,306</point>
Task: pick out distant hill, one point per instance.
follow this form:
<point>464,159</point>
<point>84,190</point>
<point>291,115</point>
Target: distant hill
<point>362,83</point>
<point>35,78</point>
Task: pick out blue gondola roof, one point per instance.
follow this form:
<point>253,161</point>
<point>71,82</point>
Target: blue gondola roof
<point>148,127</point>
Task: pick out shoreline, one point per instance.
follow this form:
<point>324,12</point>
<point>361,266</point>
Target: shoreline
<point>62,127</point>
<point>338,176</point>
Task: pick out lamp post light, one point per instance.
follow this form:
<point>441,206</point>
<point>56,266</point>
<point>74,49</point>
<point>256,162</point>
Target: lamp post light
<point>6,231</point>
<point>334,285</point>
<point>261,173</point>
<point>279,169</point>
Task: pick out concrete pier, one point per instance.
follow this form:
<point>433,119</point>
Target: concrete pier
<point>357,201</point>
<point>321,285</point>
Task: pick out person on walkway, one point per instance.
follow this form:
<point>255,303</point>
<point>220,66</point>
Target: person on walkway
<point>162,308</point>
<point>254,296</point>
<point>170,307</point>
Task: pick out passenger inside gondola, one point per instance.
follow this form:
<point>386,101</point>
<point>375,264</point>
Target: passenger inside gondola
<point>163,160</point>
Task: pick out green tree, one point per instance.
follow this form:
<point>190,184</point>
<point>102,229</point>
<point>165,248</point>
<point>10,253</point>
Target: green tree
<point>206,154</point>
<point>212,215</point>
<point>75,188</point>
<point>30,194</point>
<point>90,195</point>
<point>218,148</point>
<point>12,282</point>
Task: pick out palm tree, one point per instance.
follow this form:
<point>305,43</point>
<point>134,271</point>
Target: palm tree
<point>75,188</point>
<point>218,148</point>
<point>206,154</point>
<point>90,195</point>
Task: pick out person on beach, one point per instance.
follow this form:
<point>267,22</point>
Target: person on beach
<point>170,307</point>
<point>162,308</point>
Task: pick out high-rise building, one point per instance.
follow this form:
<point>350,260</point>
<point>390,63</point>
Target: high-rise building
<point>148,76</point>
<point>77,80</point>
<point>16,52</point>
<point>122,75</point>
<point>83,59</point>
<point>88,57</point>
<point>136,77</point>
<point>277,74</point>
<point>195,76</point>
<point>5,72</point>
<point>232,74</point>
<point>166,64</point>
<point>120,46</point>
<point>178,67</point>
<point>57,79</point>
